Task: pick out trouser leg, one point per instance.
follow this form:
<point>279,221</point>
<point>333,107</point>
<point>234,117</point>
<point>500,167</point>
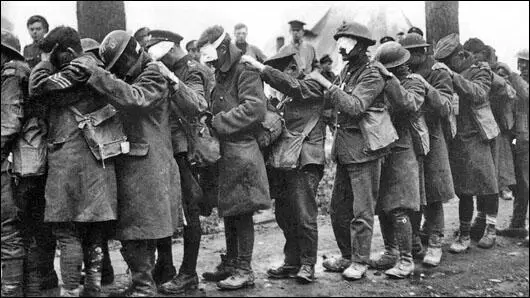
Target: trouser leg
<point>434,214</point>
<point>387,231</point>
<point>341,210</point>
<point>232,245</point>
<point>93,242</point>
<point>402,233</point>
<point>364,179</point>
<point>192,238</point>
<point>70,244</point>
<point>285,217</point>
<point>465,213</point>
<point>520,204</point>
<point>245,239</point>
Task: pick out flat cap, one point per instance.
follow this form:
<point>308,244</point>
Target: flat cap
<point>325,59</point>
<point>295,24</point>
<point>355,30</point>
<point>163,35</point>
<point>446,46</point>
<point>474,45</point>
<point>281,59</point>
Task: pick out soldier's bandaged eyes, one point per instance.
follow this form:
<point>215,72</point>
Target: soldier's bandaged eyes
<point>160,49</point>
<point>209,51</point>
<point>346,43</point>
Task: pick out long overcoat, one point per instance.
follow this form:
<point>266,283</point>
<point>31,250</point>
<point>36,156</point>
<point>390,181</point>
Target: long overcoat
<point>471,157</point>
<point>239,105</point>
<point>400,177</point>
<point>437,170</point>
<point>78,187</point>
<point>148,177</point>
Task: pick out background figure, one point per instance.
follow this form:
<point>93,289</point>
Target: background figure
<point>240,35</point>
<point>37,28</point>
<point>193,51</point>
<point>325,68</point>
<point>305,53</point>
<point>143,36</point>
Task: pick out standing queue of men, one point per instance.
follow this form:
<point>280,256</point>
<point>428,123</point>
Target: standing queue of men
<point>96,145</point>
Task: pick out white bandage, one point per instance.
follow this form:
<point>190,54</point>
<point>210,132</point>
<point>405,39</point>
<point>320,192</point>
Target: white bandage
<point>209,50</point>
<point>160,49</point>
<point>346,43</point>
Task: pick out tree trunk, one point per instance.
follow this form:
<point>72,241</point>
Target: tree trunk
<point>95,19</point>
<point>441,19</point>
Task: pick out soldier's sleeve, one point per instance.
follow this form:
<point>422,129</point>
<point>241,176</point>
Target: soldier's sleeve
<point>12,106</point>
<point>413,95</point>
<point>148,90</point>
<point>502,87</point>
<point>286,84</point>
<point>370,85</point>
<point>477,87</point>
<point>440,95</point>
<point>251,109</point>
<point>259,55</point>
<point>189,96</point>
<point>45,79</point>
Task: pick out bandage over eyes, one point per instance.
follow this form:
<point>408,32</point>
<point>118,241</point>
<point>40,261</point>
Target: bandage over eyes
<point>160,49</point>
<point>209,50</point>
<point>346,43</point>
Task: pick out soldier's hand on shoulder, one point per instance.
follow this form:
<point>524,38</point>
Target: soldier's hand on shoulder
<point>253,63</point>
<point>87,66</point>
<point>440,65</point>
<point>165,71</point>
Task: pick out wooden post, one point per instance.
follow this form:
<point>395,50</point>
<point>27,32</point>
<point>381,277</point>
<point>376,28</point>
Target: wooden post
<point>441,19</point>
<point>95,19</point>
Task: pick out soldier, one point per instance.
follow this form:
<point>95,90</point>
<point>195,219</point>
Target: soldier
<point>520,151</point>
<point>296,207</point>
<point>501,98</point>
<point>81,194</point>
<point>238,105</point>
<point>471,152</point>
<point>356,187</point>
<point>148,177</point>
<point>191,48</point>
<point>386,39</point>
<point>193,88</point>
<point>143,36</point>
<point>14,83</point>
<point>240,34</point>
<point>37,28</point>
<point>415,30</point>
<point>325,66</point>
<point>399,194</point>
<point>305,52</point>
<point>438,180</point>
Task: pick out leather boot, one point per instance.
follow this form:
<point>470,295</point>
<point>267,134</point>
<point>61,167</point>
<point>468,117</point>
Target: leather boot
<point>477,228</point>
<point>434,251</point>
<point>93,272</point>
<point>403,268</point>
<point>242,277</point>
<point>284,271</point>
<point>180,284</point>
<point>513,232</point>
<point>12,278</point>
<point>163,273</point>
<point>335,264</point>
<point>140,257</point>
<point>164,270</point>
<point>306,274</point>
<point>461,244</point>
<point>488,240</point>
<point>222,271</point>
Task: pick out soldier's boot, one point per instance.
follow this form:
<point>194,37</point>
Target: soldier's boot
<point>488,240</point>
<point>222,271</point>
<point>284,271</point>
<point>390,256</point>
<point>93,272</point>
<point>180,284</point>
<point>478,227</point>
<point>140,259</point>
<point>335,264</point>
<point>434,251</point>
<point>12,278</point>
<point>306,274</point>
<point>403,268</point>
<point>461,244</point>
<point>242,277</point>
<point>513,231</point>
<point>164,270</point>
<point>355,271</point>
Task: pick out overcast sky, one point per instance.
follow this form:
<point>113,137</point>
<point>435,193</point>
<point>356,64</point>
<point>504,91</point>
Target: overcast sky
<point>503,25</point>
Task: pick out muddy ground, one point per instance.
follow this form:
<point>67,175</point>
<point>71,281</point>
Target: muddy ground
<point>502,271</point>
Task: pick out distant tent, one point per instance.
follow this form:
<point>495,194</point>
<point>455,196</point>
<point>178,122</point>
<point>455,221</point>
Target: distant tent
<point>381,19</point>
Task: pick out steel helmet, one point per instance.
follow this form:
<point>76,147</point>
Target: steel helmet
<point>88,44</point>
<point>413,40</point>
<point>355,30</point>
<point>113,46</point>
<point>10,41</point>
<point>392,54</point>
<point>522,54</point>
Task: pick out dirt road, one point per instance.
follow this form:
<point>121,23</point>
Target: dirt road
<point>502,271</point>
